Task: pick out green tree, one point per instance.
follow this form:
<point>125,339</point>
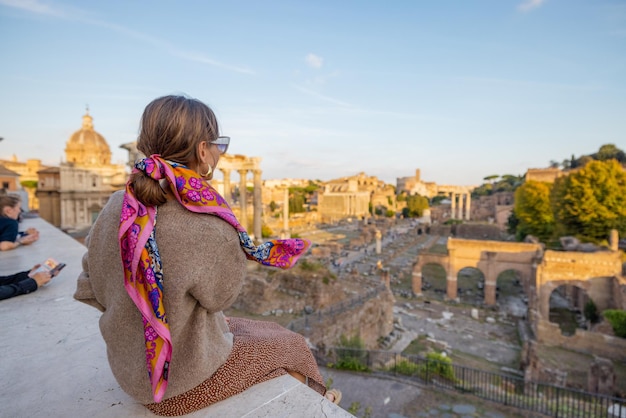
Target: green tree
<point>416,205</point>
<point>533,212</point>
<point>491,178</point>
<point>617,319</point>
<point>592,201</point>
<point>437,200</point>
<point>273,206</point>
<point>296,202</point>
<point>610,152</point>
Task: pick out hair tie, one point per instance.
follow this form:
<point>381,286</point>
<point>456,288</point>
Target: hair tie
<point>151,166</point>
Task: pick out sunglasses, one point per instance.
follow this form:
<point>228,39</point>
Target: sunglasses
<point>221,143</point>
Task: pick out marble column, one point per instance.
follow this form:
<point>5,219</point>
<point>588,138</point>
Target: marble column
<point>468,206</point>
<point>258,204</point>
<point>416,282</point>
<point>285,233</point>
<point>460,207</point>
<point>379,244</point>
<point>227,192</point>
<point>243,198</point>
<point>451,279</point>
<point>453,206</point>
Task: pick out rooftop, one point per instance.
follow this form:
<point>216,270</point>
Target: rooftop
<point>54,359</point>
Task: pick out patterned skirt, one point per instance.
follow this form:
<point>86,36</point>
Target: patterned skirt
<point>261,351</point>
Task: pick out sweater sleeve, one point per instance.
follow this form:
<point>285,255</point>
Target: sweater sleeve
<point>15,285</point>
<point>84,291</point>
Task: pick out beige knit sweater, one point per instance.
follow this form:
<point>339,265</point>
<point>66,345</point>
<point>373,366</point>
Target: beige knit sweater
<point>203,270</point>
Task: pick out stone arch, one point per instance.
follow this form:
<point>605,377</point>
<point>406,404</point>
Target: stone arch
<point>433,278</point>
<point>566,306</point>
<point>422,260</point>
<point>511,292</point>
<point>470,282</point>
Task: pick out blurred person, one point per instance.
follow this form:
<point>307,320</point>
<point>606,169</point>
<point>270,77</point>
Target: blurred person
<point>166,257</point>
<point>23,282</point>
<point>10,236</point>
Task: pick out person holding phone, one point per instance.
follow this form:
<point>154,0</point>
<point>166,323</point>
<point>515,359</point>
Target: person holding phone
<point>23,282</point>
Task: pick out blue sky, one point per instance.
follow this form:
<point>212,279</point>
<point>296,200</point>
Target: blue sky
<point>323,89</point>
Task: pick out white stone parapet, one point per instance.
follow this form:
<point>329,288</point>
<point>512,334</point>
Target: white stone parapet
<point>54,359</point>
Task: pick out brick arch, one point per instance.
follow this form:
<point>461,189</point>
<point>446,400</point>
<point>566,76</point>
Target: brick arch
<point>422,260</point>
<point>550,287</point>
<point>473,267</point>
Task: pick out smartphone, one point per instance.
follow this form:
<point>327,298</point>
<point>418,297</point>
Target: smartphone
<point>57,269</point>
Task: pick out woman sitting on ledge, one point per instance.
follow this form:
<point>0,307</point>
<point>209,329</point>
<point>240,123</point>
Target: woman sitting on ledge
<point>166,257</point>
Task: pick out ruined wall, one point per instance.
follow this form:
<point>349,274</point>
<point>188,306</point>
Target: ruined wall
<point>370,321</point>
<point>267,290</point>
<point>479,232</point>
<point>582,341</point>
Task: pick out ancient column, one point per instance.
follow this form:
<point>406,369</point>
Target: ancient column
<point>490,279</point>
<point>243,198</point>
<point>451,282</point>
<point>453,206</point>
<point>416,282</point>
<point>285,232</point>
<point>379,243</point>
<point>460,207</point>
<point>468,206</point>
<point>386,278</point>
<point>258,204</point>
<point>227,194</point>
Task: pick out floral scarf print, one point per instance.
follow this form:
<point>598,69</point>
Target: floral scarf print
<point>143,273</point>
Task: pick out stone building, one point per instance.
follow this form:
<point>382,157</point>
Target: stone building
<point>460,196</point>
<point>350,197</point>
<point>494,209</point>
<point>9,179</point>
<point>27,177</point>
<point>72,195</point>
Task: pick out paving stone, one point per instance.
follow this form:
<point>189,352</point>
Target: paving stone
<point>464,409</point>
<point>394,415</point>
<point>445,407</point>
<point>494,415</point>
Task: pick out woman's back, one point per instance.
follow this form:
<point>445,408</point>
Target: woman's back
<point>203,270</point>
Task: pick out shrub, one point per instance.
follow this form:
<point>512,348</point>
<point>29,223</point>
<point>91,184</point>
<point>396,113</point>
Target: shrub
<point>405,367</point>
<point>266,231</point>
<point>307,265</point>
<point>351,354</point>
<point>617,319</point>
<point>591,312</point>
<point>437,365</point>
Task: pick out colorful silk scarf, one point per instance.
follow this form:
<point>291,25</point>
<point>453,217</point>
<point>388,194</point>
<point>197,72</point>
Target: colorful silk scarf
<point>143,272</point>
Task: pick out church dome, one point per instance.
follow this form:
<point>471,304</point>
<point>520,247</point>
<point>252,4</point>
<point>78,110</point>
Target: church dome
<point>86,147</point>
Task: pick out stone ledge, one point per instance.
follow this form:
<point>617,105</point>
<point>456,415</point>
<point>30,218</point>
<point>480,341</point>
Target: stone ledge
<point>54,359</point>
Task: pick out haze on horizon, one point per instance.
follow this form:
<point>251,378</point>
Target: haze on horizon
<point>321,90</point>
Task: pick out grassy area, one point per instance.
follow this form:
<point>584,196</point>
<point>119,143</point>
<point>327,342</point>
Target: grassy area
<point>438,249</point>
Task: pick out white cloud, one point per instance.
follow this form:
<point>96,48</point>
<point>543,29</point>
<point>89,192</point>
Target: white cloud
<point>34,6</point>
<point>321,96</point>
<point>38,7</point>
<point>529,5</point>
<point>314,61</point>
